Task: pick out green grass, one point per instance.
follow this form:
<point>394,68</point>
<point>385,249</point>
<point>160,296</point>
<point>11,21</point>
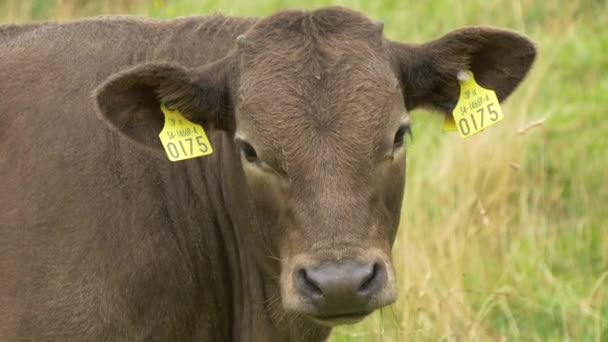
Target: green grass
<point>503,234</point>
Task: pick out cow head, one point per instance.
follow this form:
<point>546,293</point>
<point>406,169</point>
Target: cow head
<point>317,104</point>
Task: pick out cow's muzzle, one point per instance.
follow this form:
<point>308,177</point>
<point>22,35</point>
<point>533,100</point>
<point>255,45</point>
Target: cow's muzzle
<point>341,291</point>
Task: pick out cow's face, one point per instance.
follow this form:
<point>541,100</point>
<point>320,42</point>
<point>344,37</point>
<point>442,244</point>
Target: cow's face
<point>321,125</point>
<point>317,104</point>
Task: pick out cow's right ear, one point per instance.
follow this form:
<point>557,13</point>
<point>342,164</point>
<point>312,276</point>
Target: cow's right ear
<point>130,101</point>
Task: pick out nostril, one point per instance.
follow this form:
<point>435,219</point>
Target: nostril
<point>371,280</point>
<point>308,286</point>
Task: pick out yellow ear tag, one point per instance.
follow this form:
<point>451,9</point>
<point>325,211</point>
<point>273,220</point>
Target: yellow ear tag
<point>181,138</point>
<point>478,108</point>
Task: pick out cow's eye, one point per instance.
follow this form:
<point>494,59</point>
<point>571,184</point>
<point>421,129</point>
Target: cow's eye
<point>400,136</point>
<point>247,150</point>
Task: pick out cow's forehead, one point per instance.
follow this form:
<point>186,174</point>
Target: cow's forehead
<point>317,84</point>
<point>354,96</point>
<point>327,95</point>
<point>315,68</point>
<point>342,119</point>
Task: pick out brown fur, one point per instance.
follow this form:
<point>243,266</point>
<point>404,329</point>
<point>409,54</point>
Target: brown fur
<point>101,238</point>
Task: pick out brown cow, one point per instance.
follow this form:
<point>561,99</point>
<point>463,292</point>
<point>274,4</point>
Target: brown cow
<point>285,231</point>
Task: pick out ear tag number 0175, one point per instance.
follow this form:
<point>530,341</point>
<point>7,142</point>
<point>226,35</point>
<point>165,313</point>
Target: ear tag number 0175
<point>181,138</point>
<point>477,108</point>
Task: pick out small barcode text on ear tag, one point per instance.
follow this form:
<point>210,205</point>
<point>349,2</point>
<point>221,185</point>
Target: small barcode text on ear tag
<point>181,138</point>
<point>478,108</point>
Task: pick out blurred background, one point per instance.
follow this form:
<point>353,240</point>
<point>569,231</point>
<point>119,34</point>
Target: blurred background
<point>503,235</point>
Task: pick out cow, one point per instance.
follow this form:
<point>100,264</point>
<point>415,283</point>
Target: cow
<point>282,233</point>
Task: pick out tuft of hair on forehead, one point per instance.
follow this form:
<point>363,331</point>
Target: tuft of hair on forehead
<point>319,23</point>
<point>312,43</point>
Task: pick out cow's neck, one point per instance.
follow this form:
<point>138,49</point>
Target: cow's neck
<point>257,312</point>
<point>254,298</point>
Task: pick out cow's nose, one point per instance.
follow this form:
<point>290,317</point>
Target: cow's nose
<point>341,288</point>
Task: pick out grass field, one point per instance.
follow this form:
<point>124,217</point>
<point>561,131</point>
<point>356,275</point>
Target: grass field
<point>503,235</point>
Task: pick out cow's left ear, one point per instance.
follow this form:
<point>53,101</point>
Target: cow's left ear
<point>130,101</point>
<point>499,60</point>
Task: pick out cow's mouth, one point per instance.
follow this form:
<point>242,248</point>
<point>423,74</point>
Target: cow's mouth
<point>333,320</point>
